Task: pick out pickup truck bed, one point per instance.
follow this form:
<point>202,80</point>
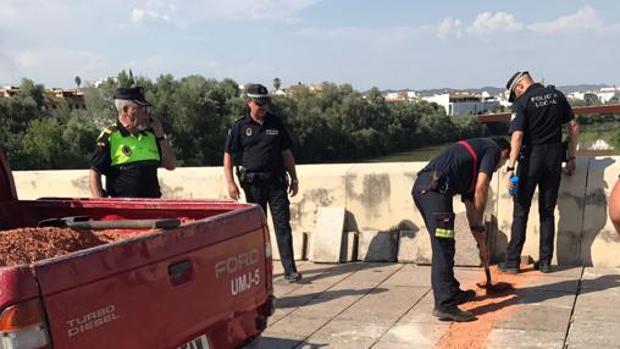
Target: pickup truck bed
<point>206,283</point>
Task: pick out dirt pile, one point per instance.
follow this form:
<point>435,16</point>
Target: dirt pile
<point>111,235</point>
<point>489,308</point>
<point>27,245</point>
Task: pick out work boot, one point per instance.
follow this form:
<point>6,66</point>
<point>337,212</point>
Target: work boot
<point>464,296</point>
<point>543,267</point>
<point>293,277</point>
<point>454,314</point>
<point>504,267</point>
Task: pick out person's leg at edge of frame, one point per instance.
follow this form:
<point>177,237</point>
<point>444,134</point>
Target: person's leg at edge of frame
<point>280,213</point>
<point>614,206</point>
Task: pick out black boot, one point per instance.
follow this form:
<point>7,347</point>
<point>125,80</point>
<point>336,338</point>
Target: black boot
<point>464,296</point>
<point>506,268</point>
<point>544,267</point>
<point>454,314</point>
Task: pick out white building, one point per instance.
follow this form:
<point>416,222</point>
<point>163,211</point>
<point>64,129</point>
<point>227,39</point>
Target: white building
<point>403,95</point>
<point>463,103</point>
<point>607,93</point>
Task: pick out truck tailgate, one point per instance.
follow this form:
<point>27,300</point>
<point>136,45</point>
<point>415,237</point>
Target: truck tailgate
<point>159,290</point>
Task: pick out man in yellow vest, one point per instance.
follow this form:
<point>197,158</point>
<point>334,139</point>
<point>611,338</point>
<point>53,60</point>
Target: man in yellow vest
<point>130,151</point>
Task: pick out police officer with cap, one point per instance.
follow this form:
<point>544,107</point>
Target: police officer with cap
<point>260,146</point>
<point>536,140</point>
<point>130,151</point>
<point>464,168</point>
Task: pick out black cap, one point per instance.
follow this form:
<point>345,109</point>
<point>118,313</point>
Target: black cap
<point>134,94</point>
<point>258,93</point>
<point>511,84</point>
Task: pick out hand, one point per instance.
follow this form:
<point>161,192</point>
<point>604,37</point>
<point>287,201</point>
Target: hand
<point>233,191</point>
<point>510,185</point>
<point>155,124</point>
<point>293,187</point>
<point>570,166</point>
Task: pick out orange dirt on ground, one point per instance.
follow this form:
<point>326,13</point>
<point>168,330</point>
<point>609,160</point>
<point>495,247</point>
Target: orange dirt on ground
<point>489,308</point>
<point>27,245</point>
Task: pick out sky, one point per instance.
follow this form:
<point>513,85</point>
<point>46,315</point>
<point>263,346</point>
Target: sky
<point>393,44</point>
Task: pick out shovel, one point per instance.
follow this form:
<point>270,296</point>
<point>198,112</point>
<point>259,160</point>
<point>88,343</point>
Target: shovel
<point>484,258</point>
<point>84,223</point>
<point>479,233</point>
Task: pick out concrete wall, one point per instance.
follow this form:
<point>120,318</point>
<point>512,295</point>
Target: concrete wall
<point>377,198</point>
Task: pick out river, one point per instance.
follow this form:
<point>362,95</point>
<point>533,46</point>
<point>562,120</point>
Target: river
<point>590,135</point>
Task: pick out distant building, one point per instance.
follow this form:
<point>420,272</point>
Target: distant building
<point>400,96</point>
<point>8,91</point>
<point>53,98</point>
<point>606,94</point>
<point>462,103</point>
<point>588,97</point>
<point>73,98</point>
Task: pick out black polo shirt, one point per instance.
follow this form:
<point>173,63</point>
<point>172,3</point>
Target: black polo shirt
<point>128,180</point>
<point>540,113</point>
<point>258,147</point>
<point>455,164</point>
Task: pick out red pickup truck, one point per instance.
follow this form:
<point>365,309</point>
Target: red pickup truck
<point>206,283</point>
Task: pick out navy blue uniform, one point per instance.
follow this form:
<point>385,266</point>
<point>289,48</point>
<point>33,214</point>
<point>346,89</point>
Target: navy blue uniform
<point>257,151</point>
<point>452,172</point>
<point>539,113</point>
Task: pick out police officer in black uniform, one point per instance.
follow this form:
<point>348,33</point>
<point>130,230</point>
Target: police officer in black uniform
<point>260,146</point>
<point>536,127</point>
<point>129,151</point>
<point>464,168</point>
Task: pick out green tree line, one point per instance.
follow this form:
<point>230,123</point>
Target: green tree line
<point>335,124</point>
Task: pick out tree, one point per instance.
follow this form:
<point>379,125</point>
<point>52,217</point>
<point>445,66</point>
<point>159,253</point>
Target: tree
<point>78,81</point>
<point>276,83</point>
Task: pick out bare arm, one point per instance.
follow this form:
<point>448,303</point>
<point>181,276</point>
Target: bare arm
<point>233,189</point>
<point>168,159</point>
<point>475,209</point>
<point>573,131</point>
<point>516,140</point>
<point>94,183</point>
<point>289,165</point>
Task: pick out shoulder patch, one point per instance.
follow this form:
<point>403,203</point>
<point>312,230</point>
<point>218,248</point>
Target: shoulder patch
<point>105,135</point>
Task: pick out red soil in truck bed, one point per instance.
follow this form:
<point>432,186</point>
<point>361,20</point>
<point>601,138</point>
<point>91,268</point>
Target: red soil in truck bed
<point>27,245</point>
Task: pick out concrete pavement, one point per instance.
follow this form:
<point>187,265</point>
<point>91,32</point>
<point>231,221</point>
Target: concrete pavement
<point>388,305</point>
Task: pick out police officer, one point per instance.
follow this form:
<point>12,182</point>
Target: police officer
<point>261,147</point>
<point>464,168</point>
<point>536,127</point>
<point>129,151</point>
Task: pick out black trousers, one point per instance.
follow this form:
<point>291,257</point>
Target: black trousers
<point>274,192</point>
<point>438,213</point>
<point>542,167</point>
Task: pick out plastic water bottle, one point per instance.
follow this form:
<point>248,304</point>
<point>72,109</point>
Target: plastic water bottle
<point>515,183</point>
